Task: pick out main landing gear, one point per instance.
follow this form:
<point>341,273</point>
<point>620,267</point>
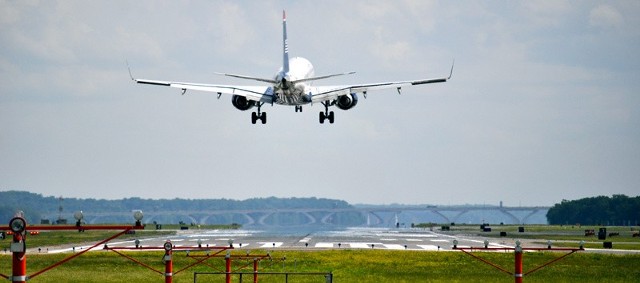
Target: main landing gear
<point>326,114</point>
<point>255,116</point>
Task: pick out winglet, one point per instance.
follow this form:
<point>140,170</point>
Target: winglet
<point>285,47</point>
<point>451,73</point>
<point>130,75</point>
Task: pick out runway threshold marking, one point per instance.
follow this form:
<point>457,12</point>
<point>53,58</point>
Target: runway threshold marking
<point>271,244</point>
<point>429,247</point>
<point>324,245</point>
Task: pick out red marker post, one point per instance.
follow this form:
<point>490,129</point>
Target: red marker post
<point>18,248</point>
<point>227,260</point>
<point>518,263</point>
<point>168,262</point>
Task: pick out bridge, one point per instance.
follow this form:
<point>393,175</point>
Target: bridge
<point>383,216</point>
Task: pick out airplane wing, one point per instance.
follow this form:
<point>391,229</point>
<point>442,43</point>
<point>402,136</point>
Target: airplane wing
<point>255,93</point>
<point>332,92</point>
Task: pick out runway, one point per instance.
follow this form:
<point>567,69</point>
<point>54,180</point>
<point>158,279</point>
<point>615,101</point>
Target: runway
<point>350,238</point>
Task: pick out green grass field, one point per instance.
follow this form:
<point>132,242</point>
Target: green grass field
<point>346,265</point>
<point>561,236</point>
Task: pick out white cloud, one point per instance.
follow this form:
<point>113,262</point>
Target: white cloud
<point>605,16</point>
<point>517,113</point>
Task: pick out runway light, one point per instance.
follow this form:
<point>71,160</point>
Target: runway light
<point>137,215</point>
<point>230,243</point>
<point>486,244</point>
<point>455,244</point>
<point>78,215</point>
<point>549,244</point>
<point>168,246</point>
<point>17,224</point>
<point>582,245</point>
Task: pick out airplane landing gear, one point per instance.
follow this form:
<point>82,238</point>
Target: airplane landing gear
<point>255,116</point>
<point>326,114</point>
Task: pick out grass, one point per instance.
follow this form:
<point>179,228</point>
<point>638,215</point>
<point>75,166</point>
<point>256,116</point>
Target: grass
<point>346,265</point>
<point>561,236</point>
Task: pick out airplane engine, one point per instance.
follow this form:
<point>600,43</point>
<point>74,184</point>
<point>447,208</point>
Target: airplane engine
<point>346,102</point>
<point>242,103</point>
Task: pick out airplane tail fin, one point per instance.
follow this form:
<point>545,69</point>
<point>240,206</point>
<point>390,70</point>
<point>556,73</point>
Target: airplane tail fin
<point>285,47</point>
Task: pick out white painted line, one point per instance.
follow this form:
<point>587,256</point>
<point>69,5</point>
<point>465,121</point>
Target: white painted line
<point>429,247</point>
<point>271,245</point>
<point>413,240</point>
<point>324,245</point>
<point>305,240</point>
<point>394,247</point>
<point>364,245</point>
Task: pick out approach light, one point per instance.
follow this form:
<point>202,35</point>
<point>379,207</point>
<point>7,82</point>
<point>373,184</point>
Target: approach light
<point>230,243</point>
<point>548,244</point>
<point>486,244</point>
<point>17,224</point>
<point>582,245</point>
<point>137,215</point>
<point>199,243</point>
<point>168,246</point>
<point>78,215</point>
<point>517,243</point>
<point>455,244</point>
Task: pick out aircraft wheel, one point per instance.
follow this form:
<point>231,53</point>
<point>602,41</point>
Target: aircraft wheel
<point>322,117</point>
<point>331,117</point>
<point>263,118</point>
<point>254,117</point>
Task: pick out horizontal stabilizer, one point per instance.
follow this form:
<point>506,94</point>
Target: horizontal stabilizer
<point>322,77</point>
<point>271,81</point>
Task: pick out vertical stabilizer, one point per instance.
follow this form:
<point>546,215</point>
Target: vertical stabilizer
<point>285,47</point>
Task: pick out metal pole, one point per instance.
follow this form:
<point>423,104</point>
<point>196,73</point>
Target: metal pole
<point>227,259</point>
<point>19,260</point>
<point>255,270</point>
<point>518,267</point>
<point>168,267</point>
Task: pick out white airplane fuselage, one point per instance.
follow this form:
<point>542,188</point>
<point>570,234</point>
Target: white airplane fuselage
<point>287,92</point>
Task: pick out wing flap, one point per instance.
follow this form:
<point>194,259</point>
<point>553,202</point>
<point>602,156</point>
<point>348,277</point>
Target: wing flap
<point>332,92</point>
<point>255,93</point>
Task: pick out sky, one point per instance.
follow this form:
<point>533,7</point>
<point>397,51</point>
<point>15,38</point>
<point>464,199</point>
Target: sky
<point>543,105</point>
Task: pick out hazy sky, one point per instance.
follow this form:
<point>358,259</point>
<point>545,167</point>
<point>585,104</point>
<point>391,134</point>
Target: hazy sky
<point>544,103</point>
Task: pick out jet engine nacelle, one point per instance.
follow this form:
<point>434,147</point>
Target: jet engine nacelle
<point>346,102</point>
<point>242,103</point>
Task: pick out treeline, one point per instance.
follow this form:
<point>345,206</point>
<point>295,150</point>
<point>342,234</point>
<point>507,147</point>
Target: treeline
<point>601,210</point>
<point>35,205</point>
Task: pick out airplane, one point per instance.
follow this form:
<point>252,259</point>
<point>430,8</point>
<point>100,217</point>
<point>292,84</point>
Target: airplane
<point>291,86</point>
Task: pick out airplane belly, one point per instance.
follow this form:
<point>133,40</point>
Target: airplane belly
<point>294,96</point>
